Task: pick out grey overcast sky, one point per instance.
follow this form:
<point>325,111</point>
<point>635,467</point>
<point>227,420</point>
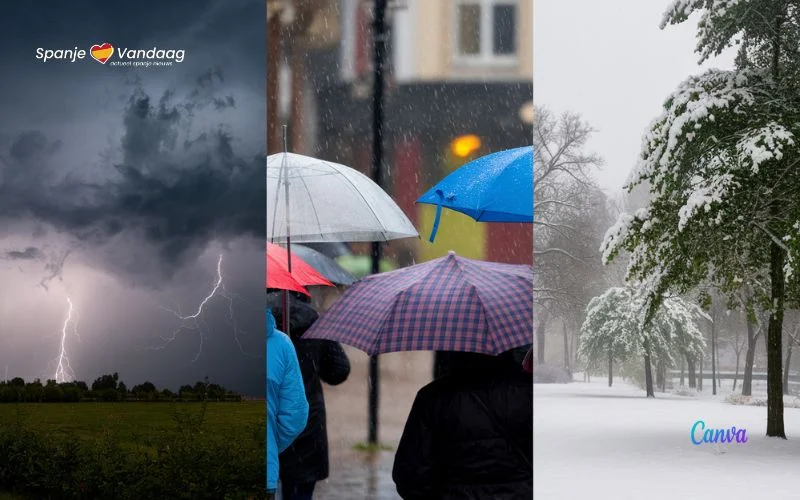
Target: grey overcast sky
<point>610,62</point>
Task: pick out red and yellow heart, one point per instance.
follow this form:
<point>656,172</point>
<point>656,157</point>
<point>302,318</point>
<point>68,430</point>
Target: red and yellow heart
<point>102,53</point>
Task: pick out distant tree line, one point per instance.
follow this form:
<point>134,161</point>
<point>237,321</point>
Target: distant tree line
<point>108,388</point>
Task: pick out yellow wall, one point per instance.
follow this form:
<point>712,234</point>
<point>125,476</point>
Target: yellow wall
<point>457,232</point>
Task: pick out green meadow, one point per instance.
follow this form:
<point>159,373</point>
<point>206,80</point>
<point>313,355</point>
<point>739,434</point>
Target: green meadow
<point>132,450</point>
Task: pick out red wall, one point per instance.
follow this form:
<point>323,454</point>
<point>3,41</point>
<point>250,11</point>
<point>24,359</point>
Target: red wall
<point>510,243</point>
<point>406,173</point>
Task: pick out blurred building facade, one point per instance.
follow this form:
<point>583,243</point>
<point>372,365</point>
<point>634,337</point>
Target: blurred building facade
<point>459,85</point>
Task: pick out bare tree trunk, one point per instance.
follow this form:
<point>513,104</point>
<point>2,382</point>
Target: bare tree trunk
<point>786,368</point>
<point>692,368</point>
<point>749,358</point>
<point>610,368</point>
<point>714,357</point>
<point>540,329</point>
<point>775,426</point>
<point>700,379</point>
<point>683,368</point>
<point>575,344</point>
<point>660,382</point>
<point>648,377</point>
<point>564,333</point>
<point>777,280</point>
<point>736,375</point>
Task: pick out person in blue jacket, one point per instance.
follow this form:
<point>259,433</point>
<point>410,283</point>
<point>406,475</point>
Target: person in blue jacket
<point>287,407</point>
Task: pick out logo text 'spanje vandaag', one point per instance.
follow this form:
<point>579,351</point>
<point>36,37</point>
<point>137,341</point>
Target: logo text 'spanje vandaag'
<point>115,56</point>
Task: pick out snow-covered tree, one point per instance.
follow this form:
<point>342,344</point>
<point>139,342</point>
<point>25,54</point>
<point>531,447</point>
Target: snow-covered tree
<point>615,329</point>
<point>610,332</point>
<point>722,166</point>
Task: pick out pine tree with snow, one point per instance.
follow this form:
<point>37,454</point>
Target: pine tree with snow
<point>616,328</point>
<point>722,165</point>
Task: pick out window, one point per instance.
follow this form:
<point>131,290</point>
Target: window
<point>486,31</point>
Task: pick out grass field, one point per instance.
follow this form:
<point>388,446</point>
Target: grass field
<point>132,450</point>
<point>133,423</point>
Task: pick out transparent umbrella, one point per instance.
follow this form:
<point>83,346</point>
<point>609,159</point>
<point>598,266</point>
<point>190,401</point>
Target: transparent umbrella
<point>312,201</point>
<point>317,201</point>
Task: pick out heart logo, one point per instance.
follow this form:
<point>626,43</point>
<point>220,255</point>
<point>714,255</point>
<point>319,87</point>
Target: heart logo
<point>102,53</point>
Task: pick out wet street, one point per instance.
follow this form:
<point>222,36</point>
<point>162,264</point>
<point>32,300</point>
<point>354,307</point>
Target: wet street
<point>361,474</point>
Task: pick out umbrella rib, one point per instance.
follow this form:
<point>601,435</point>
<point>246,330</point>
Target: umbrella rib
<point>277,197</point>
<point>380,222</point>
<point>311,201</point>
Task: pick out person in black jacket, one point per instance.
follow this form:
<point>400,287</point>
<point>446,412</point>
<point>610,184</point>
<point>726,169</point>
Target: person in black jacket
<point>469,434</point>
<point>306,461</point>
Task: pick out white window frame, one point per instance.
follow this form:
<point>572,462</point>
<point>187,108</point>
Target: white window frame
<point>485,57</point>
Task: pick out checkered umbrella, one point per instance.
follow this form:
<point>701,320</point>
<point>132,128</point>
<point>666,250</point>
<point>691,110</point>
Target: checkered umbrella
<point>448,304</point>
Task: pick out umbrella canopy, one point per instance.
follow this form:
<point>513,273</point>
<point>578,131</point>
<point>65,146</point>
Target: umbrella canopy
<point>326,266</point>
<point>278,277</point>
<point>302,272</point>
<point>494,188</point>
<point>332,249</point>
<point>328,202</point>
<point>448,304</point>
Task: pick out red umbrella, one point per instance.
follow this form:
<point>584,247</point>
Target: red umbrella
<point>302,274</point>
<point>278,277</point>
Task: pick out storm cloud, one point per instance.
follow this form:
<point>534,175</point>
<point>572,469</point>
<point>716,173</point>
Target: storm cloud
<point>30,253</point>
<point>174,191</point>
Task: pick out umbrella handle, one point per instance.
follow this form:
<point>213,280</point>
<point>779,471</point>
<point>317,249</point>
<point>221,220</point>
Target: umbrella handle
<point>435,228</point>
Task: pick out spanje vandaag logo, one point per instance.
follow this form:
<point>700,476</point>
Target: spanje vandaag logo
<point>106,53</point>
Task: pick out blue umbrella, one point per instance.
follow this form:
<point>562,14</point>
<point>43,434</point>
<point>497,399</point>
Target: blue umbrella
<point>494,188</point>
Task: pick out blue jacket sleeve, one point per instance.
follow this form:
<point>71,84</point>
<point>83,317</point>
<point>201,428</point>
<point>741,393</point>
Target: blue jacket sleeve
<point>293,407</point>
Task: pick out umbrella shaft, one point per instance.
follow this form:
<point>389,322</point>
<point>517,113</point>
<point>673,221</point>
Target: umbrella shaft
<point>285,169</point>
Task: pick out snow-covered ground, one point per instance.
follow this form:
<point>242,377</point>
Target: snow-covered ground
<point>592,441</point>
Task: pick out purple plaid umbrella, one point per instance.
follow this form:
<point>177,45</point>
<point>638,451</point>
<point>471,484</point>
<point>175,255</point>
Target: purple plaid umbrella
<point>447,304</point>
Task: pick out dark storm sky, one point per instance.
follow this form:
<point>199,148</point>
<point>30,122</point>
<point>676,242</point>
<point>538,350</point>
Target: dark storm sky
<point>120,187</point>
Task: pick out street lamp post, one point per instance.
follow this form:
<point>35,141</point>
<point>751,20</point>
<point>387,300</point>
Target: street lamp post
<point>379,26</point>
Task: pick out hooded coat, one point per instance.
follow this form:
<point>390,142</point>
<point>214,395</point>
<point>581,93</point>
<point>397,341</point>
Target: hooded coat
<point>306,459</point>
<point>287,408</point>
<point>469,435</point>
<point>527,363</point>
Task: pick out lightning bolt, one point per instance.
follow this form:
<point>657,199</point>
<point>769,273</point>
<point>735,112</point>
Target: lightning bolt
<point>195,320</point>
<point>64,371</point>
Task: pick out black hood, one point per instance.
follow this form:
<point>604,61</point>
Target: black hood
<point>301,314</point>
